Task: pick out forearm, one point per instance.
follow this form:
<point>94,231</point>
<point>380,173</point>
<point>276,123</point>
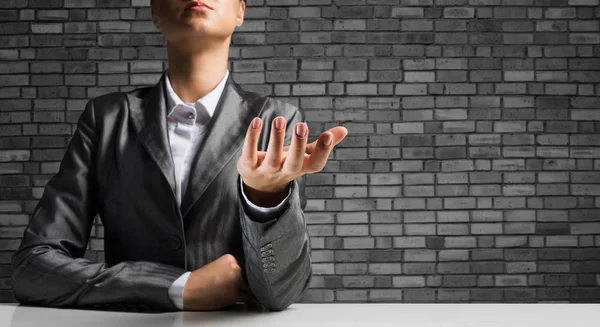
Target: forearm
<point>46,276</point>
<point>278,263</point>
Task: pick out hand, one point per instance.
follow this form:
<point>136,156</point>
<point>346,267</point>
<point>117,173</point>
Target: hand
<point>266,175</point>
<point>216,285</point>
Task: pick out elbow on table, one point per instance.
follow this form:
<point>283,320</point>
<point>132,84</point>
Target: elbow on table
<point>278,306</point>
<point>294,292</point>
<point>25,295</point>
<point>27,286</point>
<point>21,286</point>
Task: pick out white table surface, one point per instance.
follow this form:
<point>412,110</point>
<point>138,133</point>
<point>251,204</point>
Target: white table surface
<point>313,315</point>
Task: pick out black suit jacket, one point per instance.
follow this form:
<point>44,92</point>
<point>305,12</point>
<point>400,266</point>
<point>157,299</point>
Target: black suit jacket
<point>119,165</point>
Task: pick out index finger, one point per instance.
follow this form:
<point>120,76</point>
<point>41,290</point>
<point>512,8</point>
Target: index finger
<point>249,151</point>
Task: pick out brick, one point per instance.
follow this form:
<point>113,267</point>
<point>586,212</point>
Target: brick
<point>351,295</point>
<point>358,281</point>
<point>308,89</point>
<point>408,281</point>
<point>409,128</point>
<point>385,268</point>
<point>559,13</point>
<point>457,12</point>
<point>46,28</point>
<point>583,2</point>
<point>407,12</point>
<point>419,295</point>
<point>45,4</point>
<point>114,3</point>
<point>318,295</point>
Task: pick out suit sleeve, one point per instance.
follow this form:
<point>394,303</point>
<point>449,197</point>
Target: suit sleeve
<point>48,269</point>
<point>277,251</point>
<point>258,213</point>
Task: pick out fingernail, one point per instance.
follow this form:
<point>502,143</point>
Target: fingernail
<point>279,123</point>
<point>255,122</point>
<point>301,130</point>
<point>327,139</point>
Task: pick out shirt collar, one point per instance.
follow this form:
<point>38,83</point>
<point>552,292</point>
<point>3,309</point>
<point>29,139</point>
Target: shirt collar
<point>209,101</point>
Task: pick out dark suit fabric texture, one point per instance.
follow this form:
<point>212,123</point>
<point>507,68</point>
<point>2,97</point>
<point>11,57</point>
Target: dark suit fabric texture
<point>118,166</point>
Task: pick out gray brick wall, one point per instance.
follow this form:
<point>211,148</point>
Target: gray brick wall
<point>472,167</point>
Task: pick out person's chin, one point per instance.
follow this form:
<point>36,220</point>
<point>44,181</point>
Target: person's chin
<point>190,14</point>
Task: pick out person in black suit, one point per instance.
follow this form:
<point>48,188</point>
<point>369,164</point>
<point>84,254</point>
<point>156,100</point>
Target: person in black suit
<point>201,203</point>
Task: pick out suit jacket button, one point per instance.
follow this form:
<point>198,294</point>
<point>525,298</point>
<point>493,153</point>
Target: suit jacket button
<point>268,265</point>
<point>174,242</point>
<point>268,259</point>
<point>266,247</point>
<point>267,253</point>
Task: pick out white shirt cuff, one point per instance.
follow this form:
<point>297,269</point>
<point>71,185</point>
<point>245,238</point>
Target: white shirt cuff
<point>264,213</point>
<point>176,290</point>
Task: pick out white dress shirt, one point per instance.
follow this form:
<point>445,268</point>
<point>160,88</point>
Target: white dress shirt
<point>186,129</point>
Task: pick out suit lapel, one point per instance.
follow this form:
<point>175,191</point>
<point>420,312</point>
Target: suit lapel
<point>223,138</point>
<point>149,117</point>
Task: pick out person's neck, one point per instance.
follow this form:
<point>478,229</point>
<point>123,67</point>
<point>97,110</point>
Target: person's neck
<point>193,74</point>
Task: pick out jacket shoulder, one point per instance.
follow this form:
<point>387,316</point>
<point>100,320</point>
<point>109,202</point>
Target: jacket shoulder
<point>115,101</point>
<point>110,107</point>
<point>117,98</point>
